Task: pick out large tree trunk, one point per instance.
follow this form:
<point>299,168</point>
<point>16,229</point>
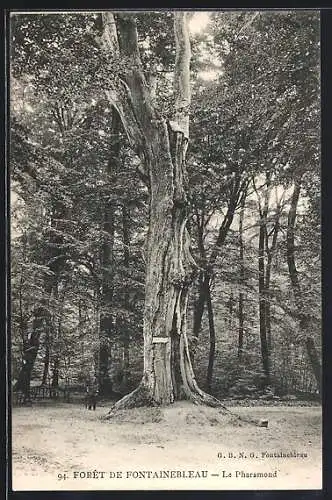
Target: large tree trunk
<point>304,319</point>
<point>168,373</point>
<point>198,314</point>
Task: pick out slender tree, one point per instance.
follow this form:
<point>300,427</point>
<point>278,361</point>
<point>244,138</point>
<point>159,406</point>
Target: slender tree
<point>304,317</point>
<point>242,281</point>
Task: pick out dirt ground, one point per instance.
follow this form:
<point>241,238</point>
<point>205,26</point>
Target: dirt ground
<point>67,447</point>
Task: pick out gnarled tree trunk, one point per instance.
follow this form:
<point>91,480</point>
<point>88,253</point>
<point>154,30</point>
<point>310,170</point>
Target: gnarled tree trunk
<point>162,145</point>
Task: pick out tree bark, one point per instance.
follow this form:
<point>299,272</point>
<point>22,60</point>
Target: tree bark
<point>270,255</point>
<point>168,373</point>
<point>241,295</point>
<point>230,310</point>
<point>55,372</point>
<point>57,341</point>
<point>203,287</point>
<point>126,263</point>
<point>263,299</point>
<point>46,360</point>
<point>262,305</point>
<point>304,319</point>
<point>198,313</point>
<point>212,331</point>
<point>314,361</point>
<point>126,363</point>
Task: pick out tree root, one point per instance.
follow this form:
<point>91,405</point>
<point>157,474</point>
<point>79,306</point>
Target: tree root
<point>202,398</point>
<point>141,396</point>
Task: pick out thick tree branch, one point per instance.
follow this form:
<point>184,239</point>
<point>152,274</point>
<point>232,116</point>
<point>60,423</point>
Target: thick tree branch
<point>133,73</point>
<point>181,74</point>
<point>126,93</point>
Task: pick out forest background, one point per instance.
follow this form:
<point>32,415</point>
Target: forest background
<point>80,203</point>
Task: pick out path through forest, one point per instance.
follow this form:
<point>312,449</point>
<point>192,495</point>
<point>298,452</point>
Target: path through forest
<point>49,441</point>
